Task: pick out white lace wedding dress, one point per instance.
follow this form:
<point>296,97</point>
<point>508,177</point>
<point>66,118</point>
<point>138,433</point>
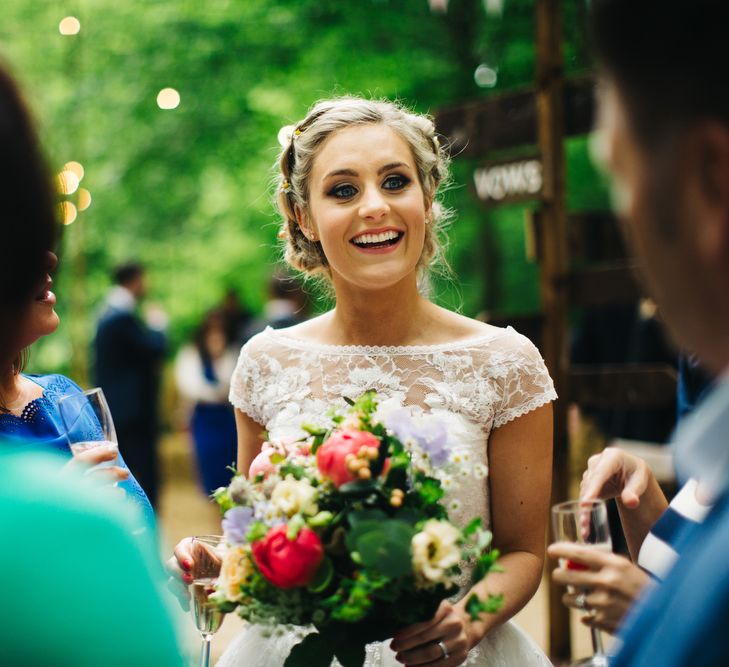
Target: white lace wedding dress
<point>474,386</point>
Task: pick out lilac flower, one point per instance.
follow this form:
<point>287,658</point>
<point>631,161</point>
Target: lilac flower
<point>235,524</point>
<point>433,439</point>
<point>401,424</point>
<point>430,435</point>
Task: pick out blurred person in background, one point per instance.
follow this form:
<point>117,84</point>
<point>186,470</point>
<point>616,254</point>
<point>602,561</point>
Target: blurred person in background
<point>128,363</point>
<point>61,534</point>
<point>286,305</point>
<point>203,370</point>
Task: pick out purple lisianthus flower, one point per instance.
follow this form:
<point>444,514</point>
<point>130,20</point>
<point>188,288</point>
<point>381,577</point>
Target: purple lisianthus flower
<point>400,422</point>
<point>433,439</point>
<point>430,435</point>
<point>235,524</point>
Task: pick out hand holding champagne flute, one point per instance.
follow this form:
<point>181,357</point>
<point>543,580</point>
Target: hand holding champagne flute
<point>204,571</point>
<point>90,431</point>
<point>583,522</point>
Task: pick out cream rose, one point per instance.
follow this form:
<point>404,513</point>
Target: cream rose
<point>292,496</point>
<point>234,570</point>
<point>435,550</point>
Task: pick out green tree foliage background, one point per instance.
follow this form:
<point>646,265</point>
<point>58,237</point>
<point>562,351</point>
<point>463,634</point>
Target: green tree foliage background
<point>188,191</point>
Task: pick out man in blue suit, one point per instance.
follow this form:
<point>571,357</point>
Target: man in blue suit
<point>664,135</point>
<point>128,362</point>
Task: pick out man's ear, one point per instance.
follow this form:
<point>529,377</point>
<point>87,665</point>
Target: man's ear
<point>710,149</point>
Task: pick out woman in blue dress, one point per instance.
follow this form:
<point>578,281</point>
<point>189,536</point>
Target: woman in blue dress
<point>29,403</point>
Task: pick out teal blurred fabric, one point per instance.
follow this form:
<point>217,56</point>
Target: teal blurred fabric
<point>78,589</point>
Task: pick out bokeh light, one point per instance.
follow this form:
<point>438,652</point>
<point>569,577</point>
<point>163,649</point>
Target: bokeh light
<point>67,182</point>
<point>168,98</point>
<point>485,76</point>
<point>69,25</point>
<point>76,168</point>
<point>68,212</point>
<point>83,200</point>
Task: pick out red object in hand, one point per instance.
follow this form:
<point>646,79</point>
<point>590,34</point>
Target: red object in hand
<point>574,565</point>
<point>288,563</point>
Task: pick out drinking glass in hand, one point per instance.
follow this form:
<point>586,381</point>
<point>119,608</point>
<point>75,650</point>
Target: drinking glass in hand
<point>205,571</point>
<point>88,423</point>
<point>584,522</point>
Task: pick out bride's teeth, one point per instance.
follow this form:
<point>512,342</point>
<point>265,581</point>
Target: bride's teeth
<point>377,238</point>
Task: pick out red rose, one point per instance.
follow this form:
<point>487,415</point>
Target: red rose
<point>331,456</point>
<point>288,563</point>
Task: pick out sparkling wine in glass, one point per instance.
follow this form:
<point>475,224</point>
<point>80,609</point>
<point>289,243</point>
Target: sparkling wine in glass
<point>205,570</point>
<point>584,522</point>
<point>88,423</point>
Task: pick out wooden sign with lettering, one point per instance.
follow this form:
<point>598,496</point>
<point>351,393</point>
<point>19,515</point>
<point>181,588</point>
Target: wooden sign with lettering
<point>512,181</point>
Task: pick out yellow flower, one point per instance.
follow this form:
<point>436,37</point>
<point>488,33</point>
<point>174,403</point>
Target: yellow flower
<point>293,497</point>
<point>436,550</point>
<point>235,569</point>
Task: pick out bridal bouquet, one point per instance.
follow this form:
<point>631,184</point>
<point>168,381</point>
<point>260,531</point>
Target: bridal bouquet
<point>347,531</point>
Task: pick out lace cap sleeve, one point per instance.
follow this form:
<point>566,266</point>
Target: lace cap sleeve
<point>526,381</point>
<point>246,382</point>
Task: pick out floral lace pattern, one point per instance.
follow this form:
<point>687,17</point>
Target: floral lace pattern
<point>473,386</point>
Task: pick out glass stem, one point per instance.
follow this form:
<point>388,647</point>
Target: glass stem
<point>205,652</point>
<point>597,642</point>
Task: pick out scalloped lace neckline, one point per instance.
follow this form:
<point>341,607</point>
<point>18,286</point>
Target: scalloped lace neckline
<point>299,343</point>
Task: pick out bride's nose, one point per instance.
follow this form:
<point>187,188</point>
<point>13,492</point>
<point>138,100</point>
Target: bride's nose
<point>373,205</point>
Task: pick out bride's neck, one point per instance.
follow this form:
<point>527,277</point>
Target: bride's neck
<point>394,316</point>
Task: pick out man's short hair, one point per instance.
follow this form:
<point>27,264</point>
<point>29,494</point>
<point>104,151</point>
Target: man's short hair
<point>668,59</point>
<point>127,272</point>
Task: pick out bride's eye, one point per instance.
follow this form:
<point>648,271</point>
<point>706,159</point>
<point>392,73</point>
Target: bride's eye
<point>343,191</point>
<point>395,182</point>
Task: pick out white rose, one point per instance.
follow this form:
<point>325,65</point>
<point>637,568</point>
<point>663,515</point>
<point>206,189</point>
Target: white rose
<point>436,550</point>
<point>292,497</point>
<point>234,570</point>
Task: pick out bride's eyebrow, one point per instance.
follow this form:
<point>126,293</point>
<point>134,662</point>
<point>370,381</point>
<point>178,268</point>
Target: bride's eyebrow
<point>352,172</point>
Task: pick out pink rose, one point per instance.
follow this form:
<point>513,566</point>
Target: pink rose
<point>262,465</point>
<point>288,563</point>
<point>331,456</point>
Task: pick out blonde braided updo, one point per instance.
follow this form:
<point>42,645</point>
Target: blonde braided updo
<point>301,144</point>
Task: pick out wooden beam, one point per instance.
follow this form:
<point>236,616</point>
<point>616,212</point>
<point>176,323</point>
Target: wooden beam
<point>602,285</point>
<point>628,386</point>
<point>554,264</point>
<point>509,120</point>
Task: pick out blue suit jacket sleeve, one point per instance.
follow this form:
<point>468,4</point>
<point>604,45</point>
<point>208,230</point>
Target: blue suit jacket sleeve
<point>684,621</point>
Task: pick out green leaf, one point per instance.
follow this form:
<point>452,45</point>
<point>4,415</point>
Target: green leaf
<point>257,531</point>
<point>320,519</point>
<point>323,577</point>
<point>348,400</point>
<point>360,516</point>
<point>475,606</point>
<point>387,549</point>
<point>313,651</point>
<point>472,527</point>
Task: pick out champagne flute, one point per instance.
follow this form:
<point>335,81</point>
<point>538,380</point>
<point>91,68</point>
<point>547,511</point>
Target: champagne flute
<point>205,571</point>
<point>88,423</point>
<point>584,522</point>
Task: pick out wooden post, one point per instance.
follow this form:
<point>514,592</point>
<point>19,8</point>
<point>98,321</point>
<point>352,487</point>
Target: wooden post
<point>554,264</point>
